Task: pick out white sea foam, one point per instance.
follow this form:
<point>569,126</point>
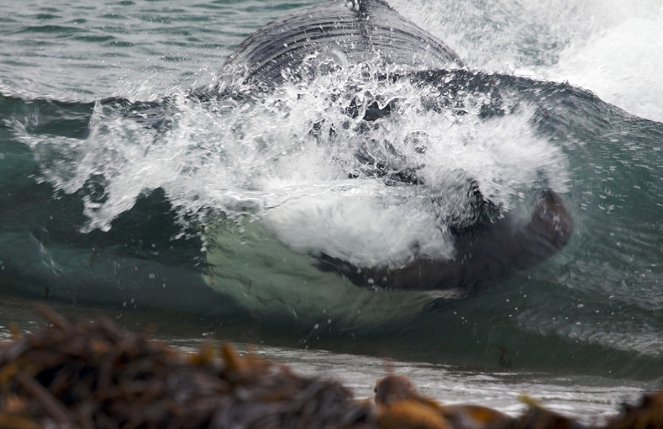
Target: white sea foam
<point>621,64</point>
<point>287,160</point>
<point>610,47</point>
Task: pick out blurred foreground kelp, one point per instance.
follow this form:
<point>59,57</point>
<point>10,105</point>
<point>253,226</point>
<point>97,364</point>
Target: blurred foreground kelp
<point>82,374</point>
<point>96,375</point>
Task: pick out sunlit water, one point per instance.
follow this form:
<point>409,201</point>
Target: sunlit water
<point>213,212</point>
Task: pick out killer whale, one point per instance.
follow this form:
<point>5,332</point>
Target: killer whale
<point>337,33</point>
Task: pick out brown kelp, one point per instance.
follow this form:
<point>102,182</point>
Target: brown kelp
<point>93,374</point>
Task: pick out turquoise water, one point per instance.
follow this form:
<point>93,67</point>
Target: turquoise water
<point>209,213</point>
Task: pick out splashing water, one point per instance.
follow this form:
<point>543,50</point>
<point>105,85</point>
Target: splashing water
<point>610,47</point>
<point>268,183</point>
<point>297,161</point>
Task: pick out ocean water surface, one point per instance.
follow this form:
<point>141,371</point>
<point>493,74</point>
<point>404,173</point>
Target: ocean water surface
<point>120,194</point>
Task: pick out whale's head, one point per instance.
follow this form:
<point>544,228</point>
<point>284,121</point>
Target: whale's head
<point>551,226</point>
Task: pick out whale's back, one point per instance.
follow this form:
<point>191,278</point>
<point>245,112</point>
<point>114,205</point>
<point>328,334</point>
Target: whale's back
<point>349,32</point>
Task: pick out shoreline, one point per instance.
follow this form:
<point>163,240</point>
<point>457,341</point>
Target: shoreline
<point>70,373</point>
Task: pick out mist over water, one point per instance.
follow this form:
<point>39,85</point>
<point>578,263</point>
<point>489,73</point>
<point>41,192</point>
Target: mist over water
<point>611,48</point>
<point>219,208</point>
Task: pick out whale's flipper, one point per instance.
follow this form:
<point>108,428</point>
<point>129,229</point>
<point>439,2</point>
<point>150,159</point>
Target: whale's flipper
<point>344,31</point>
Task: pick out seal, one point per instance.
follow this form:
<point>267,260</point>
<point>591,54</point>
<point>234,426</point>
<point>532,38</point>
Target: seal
<point>489,247</point>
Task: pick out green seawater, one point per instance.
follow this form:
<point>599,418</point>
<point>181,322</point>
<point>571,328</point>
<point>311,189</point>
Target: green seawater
<point>99,212</point>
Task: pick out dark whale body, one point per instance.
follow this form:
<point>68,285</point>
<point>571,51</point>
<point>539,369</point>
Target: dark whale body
<point>348,32</point>
<point>490,247</point>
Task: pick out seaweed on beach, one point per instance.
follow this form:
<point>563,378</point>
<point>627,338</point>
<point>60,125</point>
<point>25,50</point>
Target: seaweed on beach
<point>647,414</point>
<point>93,374</point>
